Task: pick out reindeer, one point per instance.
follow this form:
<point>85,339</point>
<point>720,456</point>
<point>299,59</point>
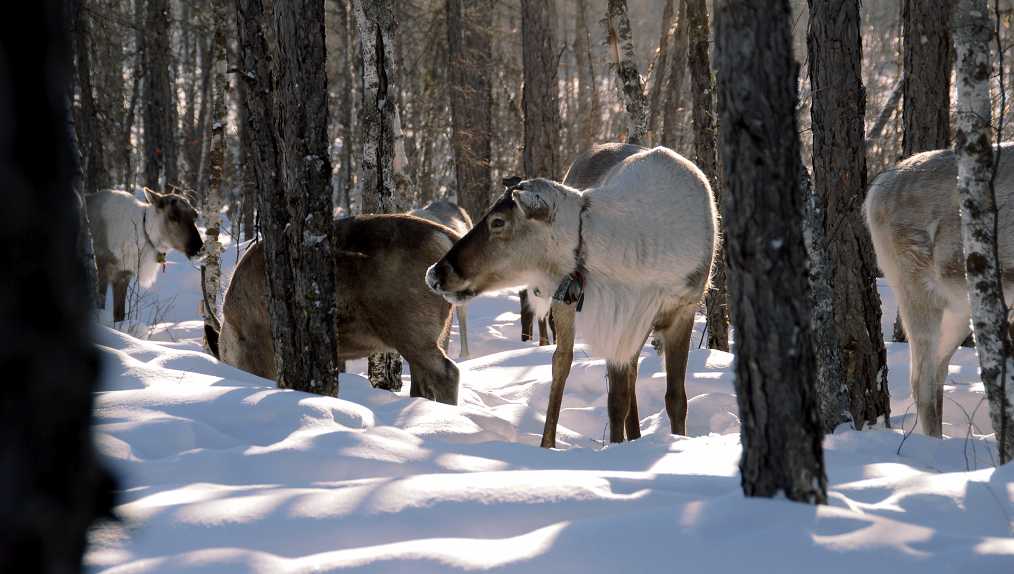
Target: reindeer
<point>380,265</point>
<point>913,214</point>
<point>634,252</point>
<point>131,238</point>
<point>453,216</point>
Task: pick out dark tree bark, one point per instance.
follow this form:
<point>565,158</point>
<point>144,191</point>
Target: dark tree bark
<point>928,56</point>
<point>53,485</point>
<point>677,62</point>
<point>631,87</point>
<point>248,179</point>
<point>301,131</point>
<point>468,74</point>
<point>587,93</point>
<point>839,178</point>
<point>541,104</point>
<point>346,101</point>
<point>160,144</point>
<point>94,175</point>
<point>658,82</point>
<point>974,150</point>
<point>706,150</point>
<point>832,392</point>
<point>380,169</point>
<point>780,422</point>
<point>288,304</point>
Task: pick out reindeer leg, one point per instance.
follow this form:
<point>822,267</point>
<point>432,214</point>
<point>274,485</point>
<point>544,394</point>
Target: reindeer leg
<point>103,287</point>
<point>922,314</point>
<point>676,338</point>
<point>462,311</point>
<point>527,316</point>
<point>120,285</point>
<point>633,420</point>
<point>619,399</point>
<point>543,332</point>
<point>433,375</point>
<point>563,358</point>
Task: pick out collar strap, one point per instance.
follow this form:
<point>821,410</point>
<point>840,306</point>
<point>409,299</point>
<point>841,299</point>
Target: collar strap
<point>159,255</point>
<point>571,289</point>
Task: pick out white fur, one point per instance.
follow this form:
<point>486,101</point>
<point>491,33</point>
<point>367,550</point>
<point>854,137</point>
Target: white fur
<point>650,225</point>
<point>912,212</point>
<point>134,240</point>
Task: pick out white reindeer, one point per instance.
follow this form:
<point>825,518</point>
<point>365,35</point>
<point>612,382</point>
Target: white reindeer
<point>634,252</point>
<point>912,211</point>
<point>131,238</point>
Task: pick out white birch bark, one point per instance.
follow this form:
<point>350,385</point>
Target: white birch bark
<point>631,86</point>
<point>212,268</point>
<point>974,150</point>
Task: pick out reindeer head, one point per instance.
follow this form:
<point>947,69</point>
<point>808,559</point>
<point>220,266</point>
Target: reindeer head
<point>173,226</point>
<point>513,244</point>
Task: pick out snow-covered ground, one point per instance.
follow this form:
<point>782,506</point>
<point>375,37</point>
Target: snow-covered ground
<point>222,472</point>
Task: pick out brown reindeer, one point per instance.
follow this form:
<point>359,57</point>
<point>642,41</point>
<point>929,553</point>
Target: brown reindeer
<point>380,267</point>
<point>454,216</point>
<point>634,250</point>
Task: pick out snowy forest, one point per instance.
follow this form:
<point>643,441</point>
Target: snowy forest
<point>507,286</point>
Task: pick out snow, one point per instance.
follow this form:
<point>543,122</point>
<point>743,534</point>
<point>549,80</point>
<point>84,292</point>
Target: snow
<point>222,472</point>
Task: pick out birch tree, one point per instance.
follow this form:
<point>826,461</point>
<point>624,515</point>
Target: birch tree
<point>621,46</point>
<point>780,423</point>
<point>211,270</point>
<point>834,45</point>
<point>976,164</point>
<point>384,163</point>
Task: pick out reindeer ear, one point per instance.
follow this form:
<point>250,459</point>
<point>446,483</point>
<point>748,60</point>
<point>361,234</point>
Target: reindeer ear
<point>153,197</point>
<point>533,203</point>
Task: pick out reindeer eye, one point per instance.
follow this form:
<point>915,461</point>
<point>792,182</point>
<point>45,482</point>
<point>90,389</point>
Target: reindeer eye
<point>497,223</point>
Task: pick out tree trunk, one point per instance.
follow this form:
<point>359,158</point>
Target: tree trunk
<point>469,54</point>
<point>926,83</point>
<point>301,131</point>
<point>677,62</point>
<point>247,177</point>
<point>775,367</point>
<point>706,151</point>
<point>160,163</point>
<point>93,168</point>
<point>631,87</point>
<point>346,102</point>
<point>301,358</point>
<point>540,98</point>
<point>832,392</point>
<point>660,69</point>
<point>52,482</point>
<point>976,165</point>
<point>380,169</point>
<point>839,178</point>
<point>587,92</point>
<point>212,269</point>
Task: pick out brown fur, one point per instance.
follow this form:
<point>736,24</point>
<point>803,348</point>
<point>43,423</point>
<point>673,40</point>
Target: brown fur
<point>380,271</point>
